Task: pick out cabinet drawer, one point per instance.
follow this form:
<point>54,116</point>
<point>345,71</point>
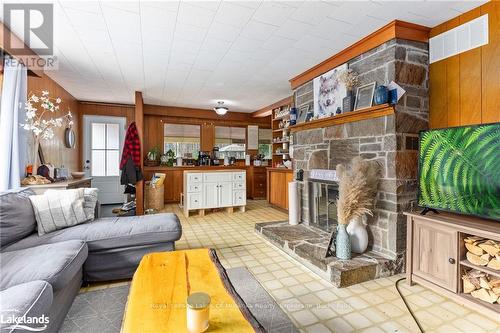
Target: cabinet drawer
<point>239,176</point>
<point>259,193</point>
<point>261,178</point>
<point>194,200</point>
<point>194,178</point>
<point>239,198</point>
<point>239,185</point>
<point>217,177</point>
<point>196,187</point>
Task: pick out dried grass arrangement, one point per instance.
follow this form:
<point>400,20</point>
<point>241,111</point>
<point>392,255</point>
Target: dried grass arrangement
<point>357,189</point>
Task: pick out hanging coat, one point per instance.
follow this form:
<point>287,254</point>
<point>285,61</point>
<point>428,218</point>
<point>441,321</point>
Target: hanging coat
<point>131,157</point>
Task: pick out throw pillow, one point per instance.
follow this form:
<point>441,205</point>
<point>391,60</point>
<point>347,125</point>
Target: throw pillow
<point>58,209</point>
<point>89,202</point>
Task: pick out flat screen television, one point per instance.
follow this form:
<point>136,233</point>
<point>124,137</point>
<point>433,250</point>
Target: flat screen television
<point>459,170</point>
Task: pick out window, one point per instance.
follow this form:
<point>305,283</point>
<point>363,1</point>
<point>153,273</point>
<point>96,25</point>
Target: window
<point>184,140</point>
<point>231,141</point>
<point>105,149</point>
<point>265,143</point>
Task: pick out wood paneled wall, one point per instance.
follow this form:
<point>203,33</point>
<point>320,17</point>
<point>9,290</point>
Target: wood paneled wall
<point>465,89</point>
<point>107,109</point>
<point>54,150</point>
<point>156,116</point>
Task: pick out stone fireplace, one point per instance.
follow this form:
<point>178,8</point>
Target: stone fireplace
<point>390,140</point>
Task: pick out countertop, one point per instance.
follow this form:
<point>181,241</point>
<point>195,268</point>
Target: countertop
<point>200,167</point>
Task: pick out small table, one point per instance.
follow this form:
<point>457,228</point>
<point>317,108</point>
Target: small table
<point>162,283</point>
<point>64,185</point>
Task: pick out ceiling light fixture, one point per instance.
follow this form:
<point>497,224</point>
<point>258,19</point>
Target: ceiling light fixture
<point>220,109</point>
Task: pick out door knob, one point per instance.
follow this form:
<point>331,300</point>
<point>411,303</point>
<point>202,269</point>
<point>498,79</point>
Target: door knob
<point>451,261</point>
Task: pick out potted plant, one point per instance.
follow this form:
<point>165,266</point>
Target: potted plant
<point>153,156</point>
<point>40,122</point>
<point>170,158</point>
<point>357,192</point>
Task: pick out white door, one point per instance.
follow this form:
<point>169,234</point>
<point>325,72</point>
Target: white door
<point>103,142</point>
<point>225,194</point>
<point>210,195</point>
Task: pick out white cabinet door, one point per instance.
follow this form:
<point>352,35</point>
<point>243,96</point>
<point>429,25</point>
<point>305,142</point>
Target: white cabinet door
<point>210,195</point>
<point>225,194</point>
<point>217,177</point>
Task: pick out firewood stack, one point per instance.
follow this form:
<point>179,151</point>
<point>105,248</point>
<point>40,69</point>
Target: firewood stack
<point>483,252</point>
<point>482,286</point>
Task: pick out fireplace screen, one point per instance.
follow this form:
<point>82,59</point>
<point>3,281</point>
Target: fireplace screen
<point>323,204</point>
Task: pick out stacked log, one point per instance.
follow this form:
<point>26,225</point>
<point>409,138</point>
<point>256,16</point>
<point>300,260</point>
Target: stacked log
<point>482,286</point>
<point>483,252</point>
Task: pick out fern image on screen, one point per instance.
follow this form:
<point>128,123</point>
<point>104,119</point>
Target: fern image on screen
<point>459,170</point>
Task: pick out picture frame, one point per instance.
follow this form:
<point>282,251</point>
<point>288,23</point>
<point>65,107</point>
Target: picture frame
<point>364,96</point>
<point>302,112</point>
<point>328,92</point>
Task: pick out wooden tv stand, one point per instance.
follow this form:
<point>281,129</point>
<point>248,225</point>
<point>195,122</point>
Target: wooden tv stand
<point>436,254</point>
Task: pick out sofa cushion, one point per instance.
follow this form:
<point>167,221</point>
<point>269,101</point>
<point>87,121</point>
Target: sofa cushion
<point>114,232</point>
<point>17,219</point>
<point>31,299</point>
<point>58,209</point>
<point>55,263</point>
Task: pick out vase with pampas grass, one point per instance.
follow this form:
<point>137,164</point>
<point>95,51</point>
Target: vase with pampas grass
<point>357,191</point>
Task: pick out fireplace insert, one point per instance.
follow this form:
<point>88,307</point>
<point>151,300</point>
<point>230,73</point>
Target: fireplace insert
<point>323,195</point>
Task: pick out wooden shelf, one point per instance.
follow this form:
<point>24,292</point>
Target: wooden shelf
<point>281,129</point>
<point>368,113</point>
<point>484,269</point>
<point>281,142</point>
<point>282,117</point>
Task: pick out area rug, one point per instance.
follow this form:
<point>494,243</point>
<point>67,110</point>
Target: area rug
<point>102,310</point>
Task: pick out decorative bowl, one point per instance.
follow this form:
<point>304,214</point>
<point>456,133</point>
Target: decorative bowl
<point>77,174</point>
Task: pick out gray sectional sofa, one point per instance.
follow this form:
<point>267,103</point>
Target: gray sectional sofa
<point>41,275</point>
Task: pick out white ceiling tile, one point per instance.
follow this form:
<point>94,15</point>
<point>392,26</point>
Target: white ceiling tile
<point>194,15</point>
<point>223,32</point>
<point>292,29</point>
<point>313,11</point>
<point>129,6</point>
<point>274,13</point>
<point>170,5</point>
<point>87,6</point>
<point>189,33</point>
<point>258,30</point>
<point>211,5</point>
<point>232,14</point>
<point>246,45</point>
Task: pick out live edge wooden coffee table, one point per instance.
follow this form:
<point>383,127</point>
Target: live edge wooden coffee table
<point>162,283</point>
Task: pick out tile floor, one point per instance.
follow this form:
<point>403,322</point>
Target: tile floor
<point>314,304</point>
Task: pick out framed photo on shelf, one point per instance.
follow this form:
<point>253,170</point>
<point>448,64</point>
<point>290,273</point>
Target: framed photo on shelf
<point>364,96</point>
<point>302,113</point>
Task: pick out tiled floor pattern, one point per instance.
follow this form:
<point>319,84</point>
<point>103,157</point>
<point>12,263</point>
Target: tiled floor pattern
<point>314,304</point>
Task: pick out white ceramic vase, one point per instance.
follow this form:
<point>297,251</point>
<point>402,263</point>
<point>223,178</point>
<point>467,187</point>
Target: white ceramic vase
<point>359,236</point>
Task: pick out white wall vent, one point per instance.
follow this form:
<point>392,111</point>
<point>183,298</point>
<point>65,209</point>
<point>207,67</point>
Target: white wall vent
<point>460,39</point>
